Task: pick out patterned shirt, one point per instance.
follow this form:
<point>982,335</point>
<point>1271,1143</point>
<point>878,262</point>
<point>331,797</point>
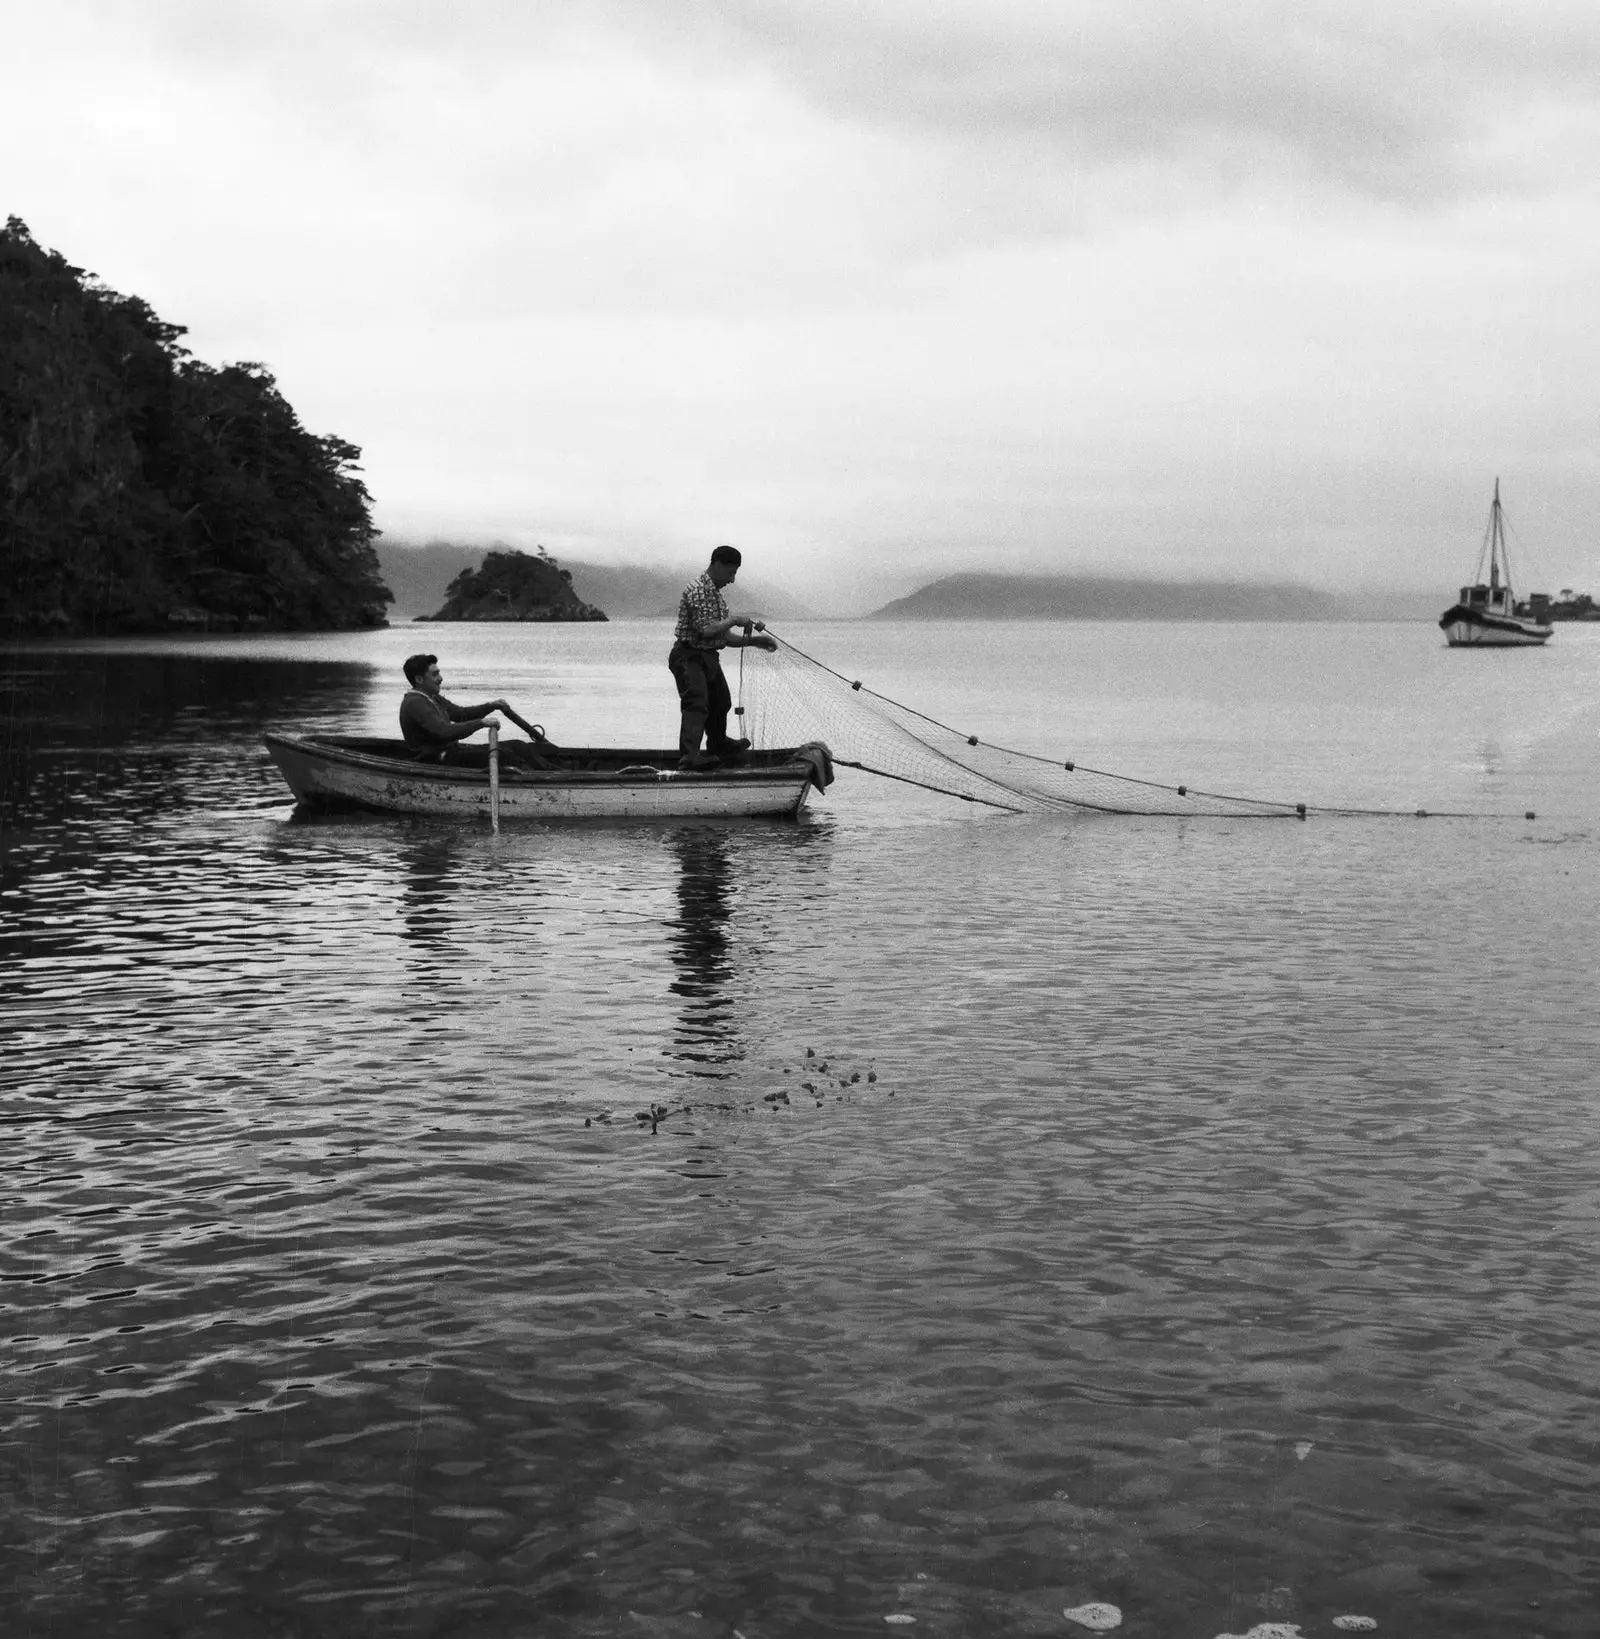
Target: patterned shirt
<point>701,606</point>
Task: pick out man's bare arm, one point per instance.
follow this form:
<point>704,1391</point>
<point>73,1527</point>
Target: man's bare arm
<point>717,628</point>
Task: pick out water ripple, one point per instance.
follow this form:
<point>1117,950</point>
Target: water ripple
<point>776,1227</point>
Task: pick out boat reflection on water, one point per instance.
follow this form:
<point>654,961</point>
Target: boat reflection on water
<point>739,887</point>
<point>707,1039</point>
<point>429,891</point>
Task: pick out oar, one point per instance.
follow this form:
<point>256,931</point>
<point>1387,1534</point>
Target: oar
<point>494,778</point>
<point>532,730</point>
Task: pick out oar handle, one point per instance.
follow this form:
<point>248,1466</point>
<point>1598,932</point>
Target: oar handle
<point>532,730</point>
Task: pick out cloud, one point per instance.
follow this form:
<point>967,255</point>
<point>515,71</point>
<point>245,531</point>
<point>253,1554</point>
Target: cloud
<point>734,154</point>
<point>1101,286</point>
<point>1393,102</point>
<point>1389,101</point>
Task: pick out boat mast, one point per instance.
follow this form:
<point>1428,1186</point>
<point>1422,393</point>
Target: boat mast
<point>1496,543</point>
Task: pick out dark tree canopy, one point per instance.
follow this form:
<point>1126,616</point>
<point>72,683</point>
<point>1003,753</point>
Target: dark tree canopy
<point>141,489</point>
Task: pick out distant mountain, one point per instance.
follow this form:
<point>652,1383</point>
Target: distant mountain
<point>628,590</point>
<point>1396,605</point>
<point>643,590</point>
<point>1063,597</point>
<point>419,576</point>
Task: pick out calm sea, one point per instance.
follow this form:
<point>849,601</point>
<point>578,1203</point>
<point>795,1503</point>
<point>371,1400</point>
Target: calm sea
<point>1199,1217</point>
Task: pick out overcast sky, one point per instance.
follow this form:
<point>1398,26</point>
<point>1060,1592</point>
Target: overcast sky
<point>1223,288</point>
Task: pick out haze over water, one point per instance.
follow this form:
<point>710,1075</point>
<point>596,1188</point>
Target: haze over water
<point>1198,1216</point>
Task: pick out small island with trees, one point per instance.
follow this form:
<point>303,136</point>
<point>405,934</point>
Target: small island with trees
<point>142,490</point>
<point>513,585</point>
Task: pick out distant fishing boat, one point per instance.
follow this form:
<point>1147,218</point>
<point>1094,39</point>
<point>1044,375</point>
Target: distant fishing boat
<point>1488,614</point>
<point>332,772</point>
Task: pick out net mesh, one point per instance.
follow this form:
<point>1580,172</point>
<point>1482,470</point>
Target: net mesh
<point>788,697</point>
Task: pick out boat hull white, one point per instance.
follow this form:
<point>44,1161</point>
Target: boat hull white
<point>333,775</point>
<point>1471,629</point>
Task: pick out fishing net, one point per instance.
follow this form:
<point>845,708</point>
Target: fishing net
<point>788,697</point>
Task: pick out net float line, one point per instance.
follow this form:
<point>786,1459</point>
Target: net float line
<point>789,696</point>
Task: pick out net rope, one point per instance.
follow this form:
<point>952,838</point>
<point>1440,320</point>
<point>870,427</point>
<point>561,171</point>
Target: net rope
<point>788,697</point>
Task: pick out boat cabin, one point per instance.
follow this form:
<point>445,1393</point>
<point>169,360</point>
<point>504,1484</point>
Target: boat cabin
<point>1497,600</point>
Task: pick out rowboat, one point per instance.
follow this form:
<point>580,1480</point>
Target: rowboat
<point>337,771</point>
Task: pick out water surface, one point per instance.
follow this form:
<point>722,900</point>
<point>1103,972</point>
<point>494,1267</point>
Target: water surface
<point>774,1227</point>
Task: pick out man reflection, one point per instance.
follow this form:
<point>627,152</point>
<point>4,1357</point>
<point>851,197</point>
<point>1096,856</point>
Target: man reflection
<point>707,1037</point>
<point>429,892</point>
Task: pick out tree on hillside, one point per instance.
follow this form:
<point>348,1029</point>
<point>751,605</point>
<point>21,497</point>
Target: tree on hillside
<point>141,488</point>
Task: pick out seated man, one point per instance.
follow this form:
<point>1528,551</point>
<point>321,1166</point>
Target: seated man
<point>436,726</point>
<point>705,626</point>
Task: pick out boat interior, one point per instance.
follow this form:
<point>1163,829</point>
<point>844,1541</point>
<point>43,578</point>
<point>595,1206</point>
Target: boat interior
<point>514,756</point>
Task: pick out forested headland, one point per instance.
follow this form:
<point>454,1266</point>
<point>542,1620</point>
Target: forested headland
<point>143,490</point>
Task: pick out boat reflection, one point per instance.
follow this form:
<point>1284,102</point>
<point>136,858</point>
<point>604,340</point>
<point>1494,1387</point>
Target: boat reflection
<point>707,1039</point>
<point>429,893</point>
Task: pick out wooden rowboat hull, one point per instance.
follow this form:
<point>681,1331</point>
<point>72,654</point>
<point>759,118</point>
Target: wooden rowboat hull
<point>345,772</point>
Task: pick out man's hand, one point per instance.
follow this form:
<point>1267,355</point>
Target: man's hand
<point>747,621</point>
<point>770,644</point>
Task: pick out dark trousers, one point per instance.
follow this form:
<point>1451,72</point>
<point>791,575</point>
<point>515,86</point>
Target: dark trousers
<point>704,697</point>
<point>513,754</point>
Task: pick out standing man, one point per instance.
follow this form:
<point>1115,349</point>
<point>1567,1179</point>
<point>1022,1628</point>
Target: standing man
<point>705,627</point>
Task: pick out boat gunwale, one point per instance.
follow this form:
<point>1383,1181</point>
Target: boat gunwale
<point>327,751</point>
<point>1462,614</point>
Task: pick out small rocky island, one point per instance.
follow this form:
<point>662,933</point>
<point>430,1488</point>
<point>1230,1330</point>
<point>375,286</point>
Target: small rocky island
<point>513,585</point>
